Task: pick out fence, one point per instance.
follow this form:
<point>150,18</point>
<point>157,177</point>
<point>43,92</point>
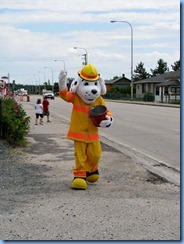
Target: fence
<point>119,96</point>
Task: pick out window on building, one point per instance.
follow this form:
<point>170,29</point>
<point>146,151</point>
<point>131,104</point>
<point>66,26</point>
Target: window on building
<point>175,90</point>
<point>143,88</point>
<point>149,87</point>
<point>166,91</point>
<point>157,91</point>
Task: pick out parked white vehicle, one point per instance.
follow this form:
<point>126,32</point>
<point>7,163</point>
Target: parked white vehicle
<point>21,92</point>
<point>48,94</point>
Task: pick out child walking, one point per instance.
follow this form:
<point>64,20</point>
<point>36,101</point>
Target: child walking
<point>45,104</point>
<point>39,112</point>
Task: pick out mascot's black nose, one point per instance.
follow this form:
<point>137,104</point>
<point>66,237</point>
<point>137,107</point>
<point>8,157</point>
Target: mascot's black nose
<point>94,91</point>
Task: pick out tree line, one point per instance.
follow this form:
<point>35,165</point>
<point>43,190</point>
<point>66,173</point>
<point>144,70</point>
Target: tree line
<point>140,72</point>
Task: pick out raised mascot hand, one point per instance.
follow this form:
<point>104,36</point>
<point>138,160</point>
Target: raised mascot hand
<point>103,86</point>
<point>62,80</point>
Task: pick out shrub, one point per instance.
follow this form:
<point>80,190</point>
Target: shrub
<point>149,97</point>
<point>15,122</point>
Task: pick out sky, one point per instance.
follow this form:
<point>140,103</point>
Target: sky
<point>34,33</point>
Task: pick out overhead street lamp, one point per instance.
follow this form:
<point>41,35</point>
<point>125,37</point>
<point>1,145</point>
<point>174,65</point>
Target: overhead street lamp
<point>114,21</point>
<point>37,81</point>
<point>52,76</point>
<point>85,55</point>
<point>62,61</point>
<point>33,87</point>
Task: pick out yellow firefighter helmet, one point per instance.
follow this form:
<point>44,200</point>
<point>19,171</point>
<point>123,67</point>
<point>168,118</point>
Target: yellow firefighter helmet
<point>89,72</point>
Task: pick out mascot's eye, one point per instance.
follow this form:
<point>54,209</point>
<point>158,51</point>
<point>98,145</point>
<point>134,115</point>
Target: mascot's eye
<point>75,83</point>
<point>96,83</point>
<point>86,83</point>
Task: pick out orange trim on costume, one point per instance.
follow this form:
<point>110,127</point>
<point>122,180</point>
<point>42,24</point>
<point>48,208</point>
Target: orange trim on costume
<point>109,113</point>
<point>83,136</point>
<point>76,135</point>
<point>71,95</point>
<point>80,174</point>
<point>62,93</point>
<point>81,109</point>
<point>89,76</point>
<point>95,169</point>
<point>93,137</point>
<point>68,95</point>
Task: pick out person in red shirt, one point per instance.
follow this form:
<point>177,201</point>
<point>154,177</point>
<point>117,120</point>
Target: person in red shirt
<point>46,108</point>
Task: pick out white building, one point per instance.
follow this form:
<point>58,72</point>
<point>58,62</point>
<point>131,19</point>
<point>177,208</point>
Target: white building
<point>165,87</point>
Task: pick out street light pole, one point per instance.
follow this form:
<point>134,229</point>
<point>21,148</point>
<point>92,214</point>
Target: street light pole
<point>85,55</point>
<point>33,87</point>
<point>62,61</point>
<point>52,76</point>
<point>131,84</point>
<point>39,82</point>
<point>36,81</point>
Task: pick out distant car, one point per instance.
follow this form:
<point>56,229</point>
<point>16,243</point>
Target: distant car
<point>21,92</point>
<point>16,93</point>
<point>48,94</point>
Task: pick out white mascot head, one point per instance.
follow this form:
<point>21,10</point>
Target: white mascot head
<point>88,85</point>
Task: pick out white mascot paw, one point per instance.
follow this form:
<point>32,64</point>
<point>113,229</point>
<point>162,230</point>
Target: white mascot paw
<point>107,122</point>
<point>62,80</point>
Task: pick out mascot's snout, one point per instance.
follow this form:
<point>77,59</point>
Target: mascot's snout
<point>94,91</point>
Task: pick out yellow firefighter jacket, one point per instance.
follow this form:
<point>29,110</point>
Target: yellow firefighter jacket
<point>81,125</point>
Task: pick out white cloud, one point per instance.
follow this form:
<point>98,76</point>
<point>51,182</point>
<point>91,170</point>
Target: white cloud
<point>83,5</point>
<point>82,10</point>
<point>85,23</point>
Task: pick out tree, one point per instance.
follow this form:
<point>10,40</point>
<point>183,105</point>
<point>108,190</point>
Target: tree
<point>141,72</point>
<point>176,66</point>
<point>115,77</point>
<point>161,68</point>
<point>45,85</point>
<point>56,87</point>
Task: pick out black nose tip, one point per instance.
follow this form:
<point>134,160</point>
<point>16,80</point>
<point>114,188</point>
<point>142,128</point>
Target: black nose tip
<point>94,91</point>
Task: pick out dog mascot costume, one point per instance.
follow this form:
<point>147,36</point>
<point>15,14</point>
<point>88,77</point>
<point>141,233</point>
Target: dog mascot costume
<point>85,93</point>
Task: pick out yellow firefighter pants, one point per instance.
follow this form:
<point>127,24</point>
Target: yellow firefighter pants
<point>87,156</point>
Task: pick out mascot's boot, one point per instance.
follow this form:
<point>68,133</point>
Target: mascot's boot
<point>93,176</point>
<point>79,183</point>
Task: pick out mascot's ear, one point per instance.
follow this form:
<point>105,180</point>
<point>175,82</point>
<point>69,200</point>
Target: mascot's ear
<point>74,85</point>
<point>103,86</point>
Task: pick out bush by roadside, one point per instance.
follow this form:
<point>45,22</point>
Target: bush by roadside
<point>149,97</point>
<point>14,121</point>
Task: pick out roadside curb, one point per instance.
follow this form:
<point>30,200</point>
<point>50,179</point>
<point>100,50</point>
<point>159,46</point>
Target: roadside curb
<point>146,103</point>
<point>154,166</point>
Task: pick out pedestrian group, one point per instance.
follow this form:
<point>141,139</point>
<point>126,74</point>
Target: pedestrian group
<point>41,110</point>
